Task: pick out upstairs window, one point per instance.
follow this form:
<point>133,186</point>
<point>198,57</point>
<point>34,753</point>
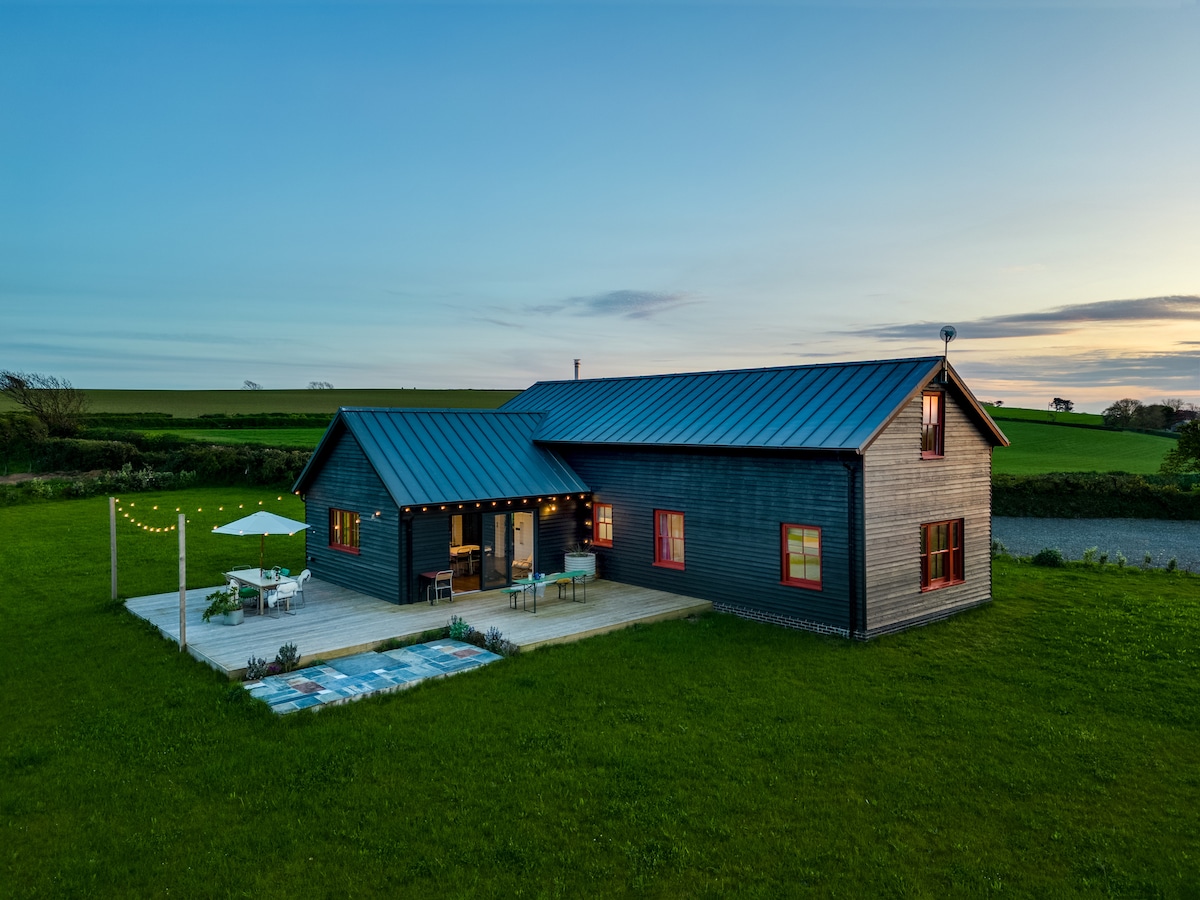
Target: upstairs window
<point>941,554</point>
<point>602,525</point>
<point>668,539</point>
<point>802,556</point>
<point>343,530</point>
<point>933,424</point>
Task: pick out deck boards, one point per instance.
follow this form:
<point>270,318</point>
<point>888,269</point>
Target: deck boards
<point>337,621</point>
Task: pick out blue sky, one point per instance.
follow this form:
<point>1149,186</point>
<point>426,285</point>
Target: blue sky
<point>472,195</point>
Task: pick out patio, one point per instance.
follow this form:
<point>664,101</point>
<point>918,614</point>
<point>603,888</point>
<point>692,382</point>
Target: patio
<point>337,621</point>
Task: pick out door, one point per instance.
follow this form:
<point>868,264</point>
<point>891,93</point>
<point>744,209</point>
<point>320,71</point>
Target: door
<point>523,556</point>
<point>494,552</point>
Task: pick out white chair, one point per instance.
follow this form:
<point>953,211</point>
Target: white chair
<point>298,599</point>
<point>442,587</point>
<point>281,598</point>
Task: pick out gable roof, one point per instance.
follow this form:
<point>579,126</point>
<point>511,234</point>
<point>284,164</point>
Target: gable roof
<point>837,406</point>
<point>428,456</point>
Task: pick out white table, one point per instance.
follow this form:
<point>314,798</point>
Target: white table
<point>263,579</point>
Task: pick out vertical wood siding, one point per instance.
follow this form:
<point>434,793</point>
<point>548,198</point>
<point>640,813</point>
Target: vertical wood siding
<point>733,506</point>
<point>902,491</point>
<point>348,481</point>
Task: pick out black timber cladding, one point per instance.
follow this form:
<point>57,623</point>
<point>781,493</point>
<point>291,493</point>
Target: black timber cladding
<point>734,506</point>
<point>348,481</point>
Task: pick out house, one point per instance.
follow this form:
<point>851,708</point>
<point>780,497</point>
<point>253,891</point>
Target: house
<point>850,498</point>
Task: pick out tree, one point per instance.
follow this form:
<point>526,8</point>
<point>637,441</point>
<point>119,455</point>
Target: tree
<point>1185,457</point>
<point>249,385</point>
<point>1061,405</point>
<point>54,401</point>
<point>1153,415</point>
<point>19,436</point>
<point>1120,414</point>
<point>320,386</point>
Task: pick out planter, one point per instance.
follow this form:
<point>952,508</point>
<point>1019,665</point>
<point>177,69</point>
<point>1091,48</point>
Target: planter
<point>585,562</point>
<point>236,617</point>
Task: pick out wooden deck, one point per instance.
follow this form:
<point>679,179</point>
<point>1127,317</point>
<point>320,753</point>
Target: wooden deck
<point>337,621</point>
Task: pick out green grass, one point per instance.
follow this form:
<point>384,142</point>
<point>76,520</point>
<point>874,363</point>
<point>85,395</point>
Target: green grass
<point>1047,745</point>
<point>1038,448</point>
<point>304,438</point>
<point>189,404</point>
<point>1043,415</point>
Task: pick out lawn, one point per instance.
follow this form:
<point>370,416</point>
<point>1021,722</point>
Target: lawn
<point>189,404</point>
<point>1038,448</point>
<point>1046,745</point>
<point>1004,413</point>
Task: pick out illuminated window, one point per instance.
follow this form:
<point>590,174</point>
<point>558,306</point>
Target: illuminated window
<point>343,530</point>
<point>933,424</point>
<point>602,525</point>
<point>668,539</point>
<point>802,556</point>
<point>941,554</point>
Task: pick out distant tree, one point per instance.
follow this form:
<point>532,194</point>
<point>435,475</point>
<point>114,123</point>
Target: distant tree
<point>1185,456</point>
<point>1153,415</point>
<point>249,385</point>
<point>997,403</point>
<point>19,437</point>
<point>320,386</point>
<point>1061,405</point>
<point>1120,414</point>
<point>54,401</point>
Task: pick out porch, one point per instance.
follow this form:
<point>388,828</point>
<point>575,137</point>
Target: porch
<point>336,621</point>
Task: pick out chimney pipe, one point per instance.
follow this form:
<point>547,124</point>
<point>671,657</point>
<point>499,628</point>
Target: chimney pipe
<point>576,370</point>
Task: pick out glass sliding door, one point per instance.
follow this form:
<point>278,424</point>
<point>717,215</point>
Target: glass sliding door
<point>496,550</point>
<point>522,554</point>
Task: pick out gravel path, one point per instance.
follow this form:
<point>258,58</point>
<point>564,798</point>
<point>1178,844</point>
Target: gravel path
<point>1161,538</point>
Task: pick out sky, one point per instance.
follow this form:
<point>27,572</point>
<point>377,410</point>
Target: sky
<point>472,195</point>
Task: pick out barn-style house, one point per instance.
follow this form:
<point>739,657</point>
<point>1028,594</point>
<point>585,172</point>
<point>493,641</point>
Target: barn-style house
<point>850,498</point>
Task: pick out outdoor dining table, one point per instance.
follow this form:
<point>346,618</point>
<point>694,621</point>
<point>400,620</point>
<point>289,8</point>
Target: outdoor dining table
<point>263,579</point>
<point>532,584</point>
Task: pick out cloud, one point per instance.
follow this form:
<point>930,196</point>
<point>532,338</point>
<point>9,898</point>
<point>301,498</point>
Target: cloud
<point>1185,308</point>
<point>619,304</point>
<point>1176,372</point>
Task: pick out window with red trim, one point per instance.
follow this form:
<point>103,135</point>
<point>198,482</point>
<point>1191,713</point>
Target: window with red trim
<point>343,530</point>
<point>933,424</point>
<point>941,554</point>
<point>668,539</point>
<point>602,525</point>
<point>802,556</point>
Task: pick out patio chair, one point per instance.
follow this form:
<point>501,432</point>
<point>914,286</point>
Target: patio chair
<point>298,599</point>
<point>248,595</point>
<point>442,587</point>
<point>281,599</point>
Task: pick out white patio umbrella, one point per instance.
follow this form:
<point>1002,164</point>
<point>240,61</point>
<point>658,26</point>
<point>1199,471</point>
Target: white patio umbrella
<point>261,523</point>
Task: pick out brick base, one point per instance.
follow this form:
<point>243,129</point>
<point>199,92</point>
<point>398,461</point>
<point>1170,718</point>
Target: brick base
<point>756,615</point>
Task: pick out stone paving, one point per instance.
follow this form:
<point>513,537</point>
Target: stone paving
<point>363,674</point>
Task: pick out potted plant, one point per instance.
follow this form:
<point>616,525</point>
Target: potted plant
<point>580,557</point>
<point>226,603</point>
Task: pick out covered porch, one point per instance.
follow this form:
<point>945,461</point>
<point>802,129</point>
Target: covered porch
<point>336,621</point>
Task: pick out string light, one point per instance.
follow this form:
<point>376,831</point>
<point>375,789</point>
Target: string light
<point>128,511</point>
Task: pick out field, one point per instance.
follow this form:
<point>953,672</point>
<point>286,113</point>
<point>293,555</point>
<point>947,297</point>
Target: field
<point>1038,448</point>
<point>1004,413</point>
<point>189,404</point>
<point>299,438</point>
<point>1044,746</point>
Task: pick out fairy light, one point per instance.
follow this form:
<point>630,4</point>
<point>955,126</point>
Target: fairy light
<point>128,511</point>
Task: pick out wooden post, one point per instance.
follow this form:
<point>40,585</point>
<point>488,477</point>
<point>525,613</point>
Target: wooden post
<point>112,541</point>
<point>182,583</point>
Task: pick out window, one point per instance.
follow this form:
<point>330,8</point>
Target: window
<point>602,525</point>
<point>802,556</point>
<point>933,424</point>
<point>941,554</point>
<point>343,530</point>
<point>668,539</point>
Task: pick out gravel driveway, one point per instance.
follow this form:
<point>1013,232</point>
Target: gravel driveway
<point>1134,538</point>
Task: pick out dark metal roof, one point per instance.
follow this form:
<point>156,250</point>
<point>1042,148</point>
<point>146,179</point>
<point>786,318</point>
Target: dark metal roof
<point>840,406</point>
<point>428,456</point>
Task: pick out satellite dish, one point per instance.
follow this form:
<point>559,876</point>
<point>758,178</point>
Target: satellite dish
<point>948,333</point>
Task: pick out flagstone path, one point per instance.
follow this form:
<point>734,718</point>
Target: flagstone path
<point>363,674</point>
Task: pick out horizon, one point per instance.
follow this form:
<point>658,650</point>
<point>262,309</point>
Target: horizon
<point>399,195</point>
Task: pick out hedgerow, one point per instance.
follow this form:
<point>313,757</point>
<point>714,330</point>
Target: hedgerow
<point>1096,495</point>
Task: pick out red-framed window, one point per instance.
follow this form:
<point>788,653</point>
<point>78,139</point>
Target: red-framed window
<point>668,538</point>
<point>602,525</point>
<point>343,530</point>
<point>801,551</point>
<point>941,554</point>
<point>933,424</point>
